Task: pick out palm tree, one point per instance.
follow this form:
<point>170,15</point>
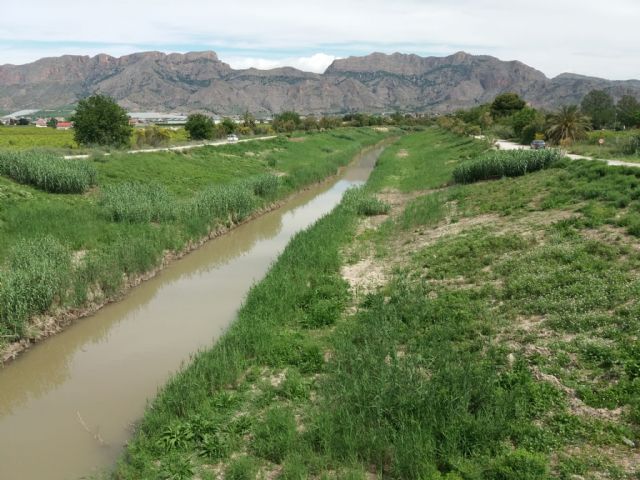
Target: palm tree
<point>567,125</point>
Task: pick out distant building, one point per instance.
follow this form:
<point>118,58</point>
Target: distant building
<point>150,118</point>
<point>41,123</point>
<point>64,125</point>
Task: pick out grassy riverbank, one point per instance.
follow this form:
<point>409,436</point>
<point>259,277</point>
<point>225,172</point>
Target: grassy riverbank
<point>423,330</point>
<point>62,253</point>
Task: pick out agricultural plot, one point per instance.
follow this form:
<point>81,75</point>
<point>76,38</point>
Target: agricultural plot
<point>30,137</point>
<point>427,330</point>
<point>27,137</point>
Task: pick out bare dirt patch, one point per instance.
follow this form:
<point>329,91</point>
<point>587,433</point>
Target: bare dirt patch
<point>365,276</point>
<point>577,406</point>
<point>611,235</point>
<point>402,153</point>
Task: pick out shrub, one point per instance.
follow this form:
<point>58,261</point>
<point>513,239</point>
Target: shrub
<point>153,136</point>
<point>509,163</point>
<point>48,172</point>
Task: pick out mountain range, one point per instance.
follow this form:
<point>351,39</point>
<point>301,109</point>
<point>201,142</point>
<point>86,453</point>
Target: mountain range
<point>199,81</point>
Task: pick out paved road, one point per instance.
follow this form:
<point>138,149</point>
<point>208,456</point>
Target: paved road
<point>182,147</point>
<point>506,145</point>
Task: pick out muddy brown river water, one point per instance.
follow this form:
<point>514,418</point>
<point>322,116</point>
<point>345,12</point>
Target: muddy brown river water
<point>67,406</point>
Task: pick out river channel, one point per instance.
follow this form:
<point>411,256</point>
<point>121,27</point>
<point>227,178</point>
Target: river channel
<point>69,405</point>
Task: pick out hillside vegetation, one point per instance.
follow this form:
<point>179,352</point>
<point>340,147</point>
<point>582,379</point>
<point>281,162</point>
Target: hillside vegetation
<point>423,330</point>
<point>125,215</point>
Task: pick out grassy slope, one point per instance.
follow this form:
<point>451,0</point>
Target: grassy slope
<point>110,249</point>
<point>491,333</point>
<point>624,145</point>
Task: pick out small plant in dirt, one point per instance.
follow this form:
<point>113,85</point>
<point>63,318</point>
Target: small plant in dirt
<point>519,464</point>
<point>276,435</point>
<point>242,468</point>
<point>176,467</point>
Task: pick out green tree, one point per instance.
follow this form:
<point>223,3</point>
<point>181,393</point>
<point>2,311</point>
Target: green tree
<point>310,123</point>
<point>628,109</point>
<point>227,126</point>
<point>507,104</point>
<point>52,123</point>
<point>99,120</point>
<point>199,126</point>
<point>248,120</point>
<point>567,125</point>
<point>286,121</point>
<point>598,104</point>
<point>329,122</point>
<point>526,123</point>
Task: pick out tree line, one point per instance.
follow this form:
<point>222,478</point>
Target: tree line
<point>509,116</point>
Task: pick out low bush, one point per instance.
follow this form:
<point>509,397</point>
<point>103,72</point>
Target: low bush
<point>48,172</point>
<point>510,163</point>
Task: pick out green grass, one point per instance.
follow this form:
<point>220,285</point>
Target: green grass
<point>146,204</point>
<point>439,373</point>
<point>48,172</point>
<point>423,161</point>
<point>624,145</point>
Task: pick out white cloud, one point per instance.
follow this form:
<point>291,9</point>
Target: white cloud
<point>596,38</point>
<point>316,63</point>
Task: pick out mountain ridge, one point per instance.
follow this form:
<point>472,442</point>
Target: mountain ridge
<point>378,82</point>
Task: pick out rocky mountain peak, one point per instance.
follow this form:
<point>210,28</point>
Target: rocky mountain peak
<point>379,82</point>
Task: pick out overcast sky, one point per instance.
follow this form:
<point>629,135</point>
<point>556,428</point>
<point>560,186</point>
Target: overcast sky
<point>600,38</point>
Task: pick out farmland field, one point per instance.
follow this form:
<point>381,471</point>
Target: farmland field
<point>427,330</point>
<point>27,137</point>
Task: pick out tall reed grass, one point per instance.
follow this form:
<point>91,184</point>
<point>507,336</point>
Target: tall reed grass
<point>47,171</point>
<point>142,202</point>
<point>35,274</point>
<point>509,163</point>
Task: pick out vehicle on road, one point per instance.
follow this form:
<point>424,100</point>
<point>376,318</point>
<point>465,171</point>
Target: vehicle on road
<point>233,138</point>
<point>538,145</point>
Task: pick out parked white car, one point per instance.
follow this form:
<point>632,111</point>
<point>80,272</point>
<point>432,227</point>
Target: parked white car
<point>233,138</point>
